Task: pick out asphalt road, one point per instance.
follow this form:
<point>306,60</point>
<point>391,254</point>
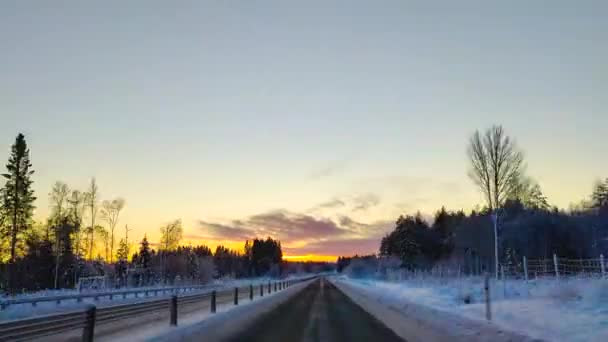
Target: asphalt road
<point>320,312</point>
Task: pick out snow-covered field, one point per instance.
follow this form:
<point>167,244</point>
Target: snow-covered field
<point>571,309</point>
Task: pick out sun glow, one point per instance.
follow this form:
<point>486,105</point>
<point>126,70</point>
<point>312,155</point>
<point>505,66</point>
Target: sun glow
<point>310,257</point>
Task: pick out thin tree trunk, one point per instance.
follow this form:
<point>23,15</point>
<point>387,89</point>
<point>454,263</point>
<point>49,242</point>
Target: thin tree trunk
<point>112,245</point>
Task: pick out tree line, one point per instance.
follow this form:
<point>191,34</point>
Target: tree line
<point>82,238</point>
<point>526,224</point>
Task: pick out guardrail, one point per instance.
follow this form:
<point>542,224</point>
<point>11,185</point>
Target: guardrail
<point>97,295</point>
<point>26,329</point>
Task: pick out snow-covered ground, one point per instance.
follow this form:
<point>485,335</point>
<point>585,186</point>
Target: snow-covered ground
<point>571,309</point>
<point>19,311</point>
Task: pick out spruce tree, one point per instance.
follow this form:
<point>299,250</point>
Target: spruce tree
<point>144,259</point>
<point>17,195</point>
<point>144,254</point>
<point>600,194</point>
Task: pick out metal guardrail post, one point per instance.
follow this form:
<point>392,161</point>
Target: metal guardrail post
<point>275,287</point>
<point>269,288</point>
<point>261,290</point>
<point>88,333</point>
<point>173,311</point>
<point>213,295</point>
<point>251,292</point>
<point>236,296</point>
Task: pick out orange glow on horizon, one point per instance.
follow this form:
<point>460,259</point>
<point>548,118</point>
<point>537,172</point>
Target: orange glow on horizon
<point>239,247</point>
<point>310,257</point>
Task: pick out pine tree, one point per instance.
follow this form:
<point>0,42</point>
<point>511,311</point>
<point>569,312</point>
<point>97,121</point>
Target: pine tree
<point>600,194</point>
<point>17,195</point>
<point>144,260</point>
<point>144,254</point>
<point>122,254</point>
<point>121,266</point>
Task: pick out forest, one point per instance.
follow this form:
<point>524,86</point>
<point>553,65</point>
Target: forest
<point>81,238</point>
<point>527,225</point>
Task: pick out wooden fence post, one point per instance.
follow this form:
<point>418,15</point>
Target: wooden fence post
<point>269,288</point>
<point>602,266</point>
<point>88,332</point>
<point>275,286</point>
<point>261,290</point>
<point>173,311</point>
<point>487,293</point>
<point>213,301</point>
<point>556,266</point>
<point>236,296</point>
<point>525,268</point>
<point>250,291</point>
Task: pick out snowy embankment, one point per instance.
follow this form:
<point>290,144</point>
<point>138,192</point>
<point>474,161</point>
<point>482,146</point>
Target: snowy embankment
<point>230,321</point>
<point>19,311</point>
<point>572,309</point>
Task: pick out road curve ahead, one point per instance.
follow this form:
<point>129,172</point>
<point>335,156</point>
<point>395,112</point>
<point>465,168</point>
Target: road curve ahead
<point>320,312</point>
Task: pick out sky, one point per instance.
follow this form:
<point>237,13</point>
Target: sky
<point>315,122</point>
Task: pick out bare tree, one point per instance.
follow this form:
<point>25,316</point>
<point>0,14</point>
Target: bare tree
<point>105,237</point>
<point>92,198</point>
<point>496,164</point>
<point>77,206</point>
<point>496,167</point>
<point>127,230</point>
<point>58,200</point>
<point>110,212</point>
<point>170,236</point>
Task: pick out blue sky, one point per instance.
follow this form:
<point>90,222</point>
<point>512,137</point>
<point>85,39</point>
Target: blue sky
<point>224,110</point>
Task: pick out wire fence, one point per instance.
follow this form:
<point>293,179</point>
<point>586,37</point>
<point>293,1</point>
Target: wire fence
<point>524,269</point>
<point>555,267</point>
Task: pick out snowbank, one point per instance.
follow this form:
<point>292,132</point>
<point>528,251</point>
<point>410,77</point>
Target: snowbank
<point>572,309</point>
